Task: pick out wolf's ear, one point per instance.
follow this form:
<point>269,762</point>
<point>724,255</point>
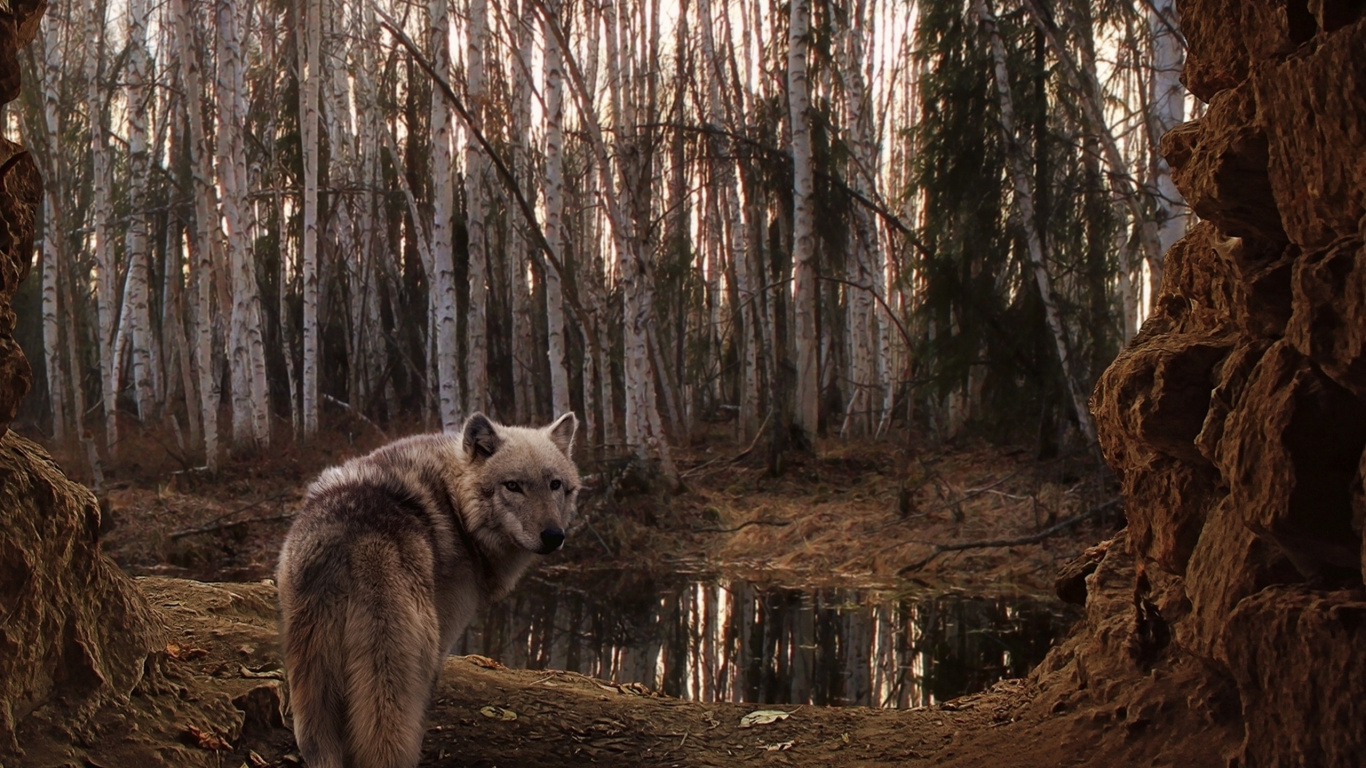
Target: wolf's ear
<point>481,437</point>
<point>561,433</point>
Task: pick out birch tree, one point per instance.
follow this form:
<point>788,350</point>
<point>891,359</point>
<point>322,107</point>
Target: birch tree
<point>1168,102</point>
<point>139,98</point>
<point>476,336</point>
<point>250,394</point>
<point>204,244</point>
<point>807,411</point>
<point>554,217</point>
<point>443,259</point>
<point>310,79</point>
<point>53,239</point>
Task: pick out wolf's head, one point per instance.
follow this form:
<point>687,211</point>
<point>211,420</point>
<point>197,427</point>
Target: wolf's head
<point>524,477</point>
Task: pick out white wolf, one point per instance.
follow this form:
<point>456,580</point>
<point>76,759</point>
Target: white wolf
<point>387,562</point>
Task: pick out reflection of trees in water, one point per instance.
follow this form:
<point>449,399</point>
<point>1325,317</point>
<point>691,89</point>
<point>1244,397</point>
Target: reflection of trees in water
<point>732,640</point>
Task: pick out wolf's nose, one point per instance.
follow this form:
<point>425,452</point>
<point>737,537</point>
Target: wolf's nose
<point>551,539</point>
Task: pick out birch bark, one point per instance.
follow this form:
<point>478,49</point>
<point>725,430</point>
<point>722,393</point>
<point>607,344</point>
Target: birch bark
<point>250,395</point>
<point>203,243</point>
<point>49,39</point>
<point>101,212</point>
<point>554,220</point>
<point>805,294</point>
<point>476,357</point>
<point>139,98</point>
<point>310,78</point>
<point>519,250</point>
<point>1168,111</point>
<point>443,259</point>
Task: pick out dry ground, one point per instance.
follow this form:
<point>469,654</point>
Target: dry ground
<point>855,514</point>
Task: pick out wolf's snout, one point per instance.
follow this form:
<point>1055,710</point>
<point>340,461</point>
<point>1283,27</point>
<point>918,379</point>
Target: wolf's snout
<point>551,540</point>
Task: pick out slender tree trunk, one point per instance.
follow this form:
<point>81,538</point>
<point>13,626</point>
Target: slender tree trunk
<point>519,250</point>
<point>205,224</point>
<point>554,221</point>
<point>443,293</point>
<point>310,43</point>
<point>53,241</point>
<point>250,395</point>
<point>139,95</point>
<point>101,213</point>
<point>476,356</point>
<point>803,223</point>
<point>1024,207</point>
<point>1168,111</point>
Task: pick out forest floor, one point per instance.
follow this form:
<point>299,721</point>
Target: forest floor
<point>856,514</point>
<point>214,697</point>
<point>853,514</point>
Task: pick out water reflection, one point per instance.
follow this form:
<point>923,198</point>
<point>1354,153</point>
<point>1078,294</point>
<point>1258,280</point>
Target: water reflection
<point>733,640</point>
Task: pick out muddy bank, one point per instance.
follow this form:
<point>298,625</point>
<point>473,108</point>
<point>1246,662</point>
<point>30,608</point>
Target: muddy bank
<point>212,696</point>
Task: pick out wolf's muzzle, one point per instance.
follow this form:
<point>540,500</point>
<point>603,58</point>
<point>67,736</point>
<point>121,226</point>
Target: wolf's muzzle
<point>551,540</point>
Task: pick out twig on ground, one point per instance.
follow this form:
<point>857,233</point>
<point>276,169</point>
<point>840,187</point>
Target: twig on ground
<point>354,412</point>
<point>759,433</point>
<point>1035,538</point>
<point>778,523</point>
<point>209,525</point>
<point>230,523</point>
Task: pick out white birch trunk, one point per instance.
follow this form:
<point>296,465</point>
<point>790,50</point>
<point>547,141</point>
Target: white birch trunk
<point>136,247</point>
<point>311,78</point>
<point>250,394</point>
<point>1024,208</point>
<point>519,249</point>
<point>554,223</point>
<point>1168,111</point>
<point>205,219</point>
<point>805,293</point>
<point>442,285</point>
<point>52,231</point>
<point>102,211</point>
<point>476,329</point>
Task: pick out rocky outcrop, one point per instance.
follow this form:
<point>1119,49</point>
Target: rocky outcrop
<point>74,631</point>
<point>1237,419</point>
<point>21,190</point>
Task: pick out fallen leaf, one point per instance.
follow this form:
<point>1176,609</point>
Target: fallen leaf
<point>763,717</point>
<point>483,661</point>
<point>781,746</point>
<point>184,654</point>
<point>256,760</point>
<point>498,713</point>
<point>205,739</point>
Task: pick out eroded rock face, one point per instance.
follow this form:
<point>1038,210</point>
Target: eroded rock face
<point>74,631</point>
<point>1237,419</point>
<point>21,191</point>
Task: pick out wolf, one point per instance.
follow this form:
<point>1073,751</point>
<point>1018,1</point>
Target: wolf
<point>387,562</point>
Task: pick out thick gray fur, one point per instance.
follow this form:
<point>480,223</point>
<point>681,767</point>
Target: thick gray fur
<point>377,579</point>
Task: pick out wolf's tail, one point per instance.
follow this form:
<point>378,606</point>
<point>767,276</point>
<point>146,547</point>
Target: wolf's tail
<point>312,646</point>
<point>391,646</point>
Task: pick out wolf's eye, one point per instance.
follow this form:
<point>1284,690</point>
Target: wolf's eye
<point>513,485</point>
<point>554,485</point>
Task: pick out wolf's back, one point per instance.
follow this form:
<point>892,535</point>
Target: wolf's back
<point>360,628</point>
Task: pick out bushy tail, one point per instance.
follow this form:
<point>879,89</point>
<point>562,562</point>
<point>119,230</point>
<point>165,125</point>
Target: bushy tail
<point>313,651</point>
<point>391,646</point>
